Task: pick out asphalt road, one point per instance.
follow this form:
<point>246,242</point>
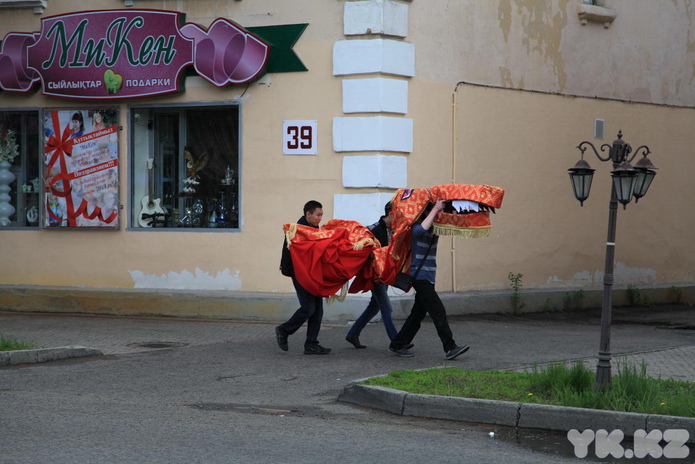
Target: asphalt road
<point>244,401</point>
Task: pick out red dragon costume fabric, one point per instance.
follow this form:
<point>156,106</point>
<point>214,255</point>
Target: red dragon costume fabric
<point>326,259</point>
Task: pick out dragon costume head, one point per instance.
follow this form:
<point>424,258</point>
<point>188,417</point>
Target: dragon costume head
<point>466,214</point>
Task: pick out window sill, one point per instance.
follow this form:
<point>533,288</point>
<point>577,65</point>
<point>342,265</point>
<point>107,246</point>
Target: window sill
<point>37,5</point>
<point>597,14</point>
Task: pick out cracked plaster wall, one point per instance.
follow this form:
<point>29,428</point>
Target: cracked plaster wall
<point>622,275</point>
<point>187,280</point>
<point>647,54</point>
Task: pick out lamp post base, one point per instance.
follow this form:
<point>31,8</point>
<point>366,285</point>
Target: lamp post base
<point>603,372</point>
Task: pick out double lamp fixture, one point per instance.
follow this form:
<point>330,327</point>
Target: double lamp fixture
<point>628,181</point>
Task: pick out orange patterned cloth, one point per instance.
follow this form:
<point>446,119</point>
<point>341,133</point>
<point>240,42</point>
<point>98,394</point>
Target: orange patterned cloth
<point>407,206</point>
<point>326,259</point>
<point>487,194</point>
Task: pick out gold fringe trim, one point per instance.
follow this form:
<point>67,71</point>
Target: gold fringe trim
<point>478,232</point>
<point>361,244</point>
<point>290,233</point>
<point>340,296</point>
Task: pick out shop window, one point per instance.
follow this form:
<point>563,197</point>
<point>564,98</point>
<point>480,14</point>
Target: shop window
<point>19,169</point>
<point>185,167</point>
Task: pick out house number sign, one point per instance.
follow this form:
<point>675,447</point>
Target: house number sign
<point>299,137</point>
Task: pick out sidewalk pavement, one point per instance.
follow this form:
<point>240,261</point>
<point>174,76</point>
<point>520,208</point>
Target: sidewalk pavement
<point>661,337</point>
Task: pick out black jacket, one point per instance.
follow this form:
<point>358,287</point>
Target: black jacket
<point>380,231</point>
<point>286,267</point>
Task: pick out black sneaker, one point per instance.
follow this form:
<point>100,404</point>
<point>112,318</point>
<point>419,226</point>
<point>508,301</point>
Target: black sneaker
<point>409,346</point>
<point>402,352</point>
<point>316,349</point>
<point>455,351</point>
<point>281,337</point>
<point>355,341</point>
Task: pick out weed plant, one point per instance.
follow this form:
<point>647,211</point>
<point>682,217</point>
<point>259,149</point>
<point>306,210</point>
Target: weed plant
<point>557,384</point>
<point>12,344</point>
<point>516,283</point>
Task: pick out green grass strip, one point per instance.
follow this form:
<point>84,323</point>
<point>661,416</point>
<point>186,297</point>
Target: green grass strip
<point>555,384</point>
<point>12,344</point>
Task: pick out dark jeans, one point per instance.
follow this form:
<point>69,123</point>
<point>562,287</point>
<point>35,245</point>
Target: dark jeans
<point>379,302</point>
<point>310,311</point>
<point>426,301</point>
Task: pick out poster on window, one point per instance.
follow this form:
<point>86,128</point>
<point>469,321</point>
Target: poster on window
<point>81,168</point>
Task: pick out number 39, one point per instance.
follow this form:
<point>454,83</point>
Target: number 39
<point>300,137</point>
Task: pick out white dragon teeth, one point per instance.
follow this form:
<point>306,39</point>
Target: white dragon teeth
<point>465,206</point>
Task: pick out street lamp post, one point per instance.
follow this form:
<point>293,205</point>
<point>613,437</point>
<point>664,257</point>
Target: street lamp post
<point>628,181</point>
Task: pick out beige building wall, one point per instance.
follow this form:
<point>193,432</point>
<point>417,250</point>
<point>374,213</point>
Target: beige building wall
<point>646,53</point>
<point>526,142</point>
<point>502,93</point>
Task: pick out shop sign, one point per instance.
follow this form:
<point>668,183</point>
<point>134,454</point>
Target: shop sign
<point>117,54</point>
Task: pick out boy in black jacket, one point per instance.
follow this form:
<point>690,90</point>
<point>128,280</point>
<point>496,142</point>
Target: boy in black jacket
<point>311,307</point>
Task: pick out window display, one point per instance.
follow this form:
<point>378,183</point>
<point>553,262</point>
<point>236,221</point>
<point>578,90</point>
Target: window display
<point>19,169</point>
<point>185,164</point>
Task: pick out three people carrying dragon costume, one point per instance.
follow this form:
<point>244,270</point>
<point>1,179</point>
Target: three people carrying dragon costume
<point>327,259</point>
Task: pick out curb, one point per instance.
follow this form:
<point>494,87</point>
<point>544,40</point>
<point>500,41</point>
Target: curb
<point>506,413</point>
<point>275,306</point>
<point>41,355</point>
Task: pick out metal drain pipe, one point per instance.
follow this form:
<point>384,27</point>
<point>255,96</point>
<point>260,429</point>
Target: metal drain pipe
<point>454,139</point>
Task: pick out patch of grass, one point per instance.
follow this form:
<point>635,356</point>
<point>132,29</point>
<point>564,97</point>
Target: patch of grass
<point>633,295</point>
<point>556,384</point>
<point>12,344</point>
<point>548,307</point>
<point>676,294</point>
<point>573,300</point>
<point>452,381</point>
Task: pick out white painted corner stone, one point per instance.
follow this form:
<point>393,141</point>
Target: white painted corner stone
<point>375,95</point>
<point>377,171</point>
<point>365,208</point>
<point>376,17</point>
<point>373,56</point>
<point>376,133</point>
